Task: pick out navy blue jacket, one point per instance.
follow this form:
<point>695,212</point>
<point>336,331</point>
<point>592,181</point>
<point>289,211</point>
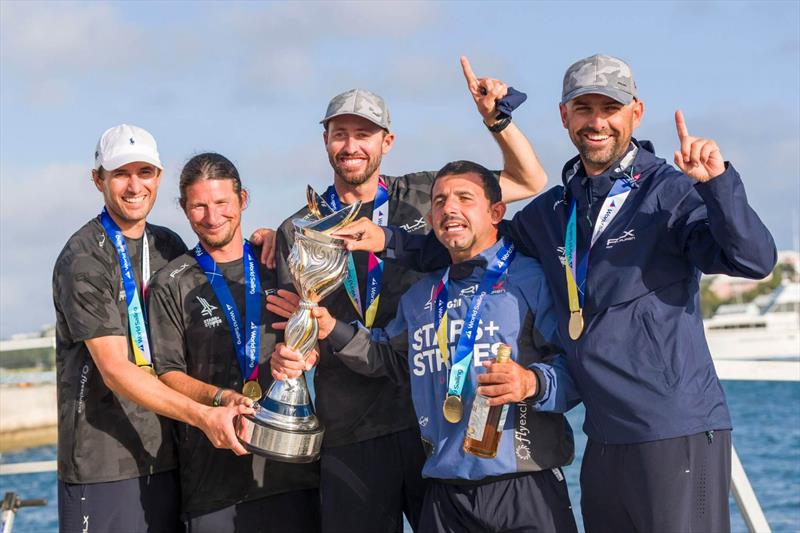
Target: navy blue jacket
<point>642,365</point>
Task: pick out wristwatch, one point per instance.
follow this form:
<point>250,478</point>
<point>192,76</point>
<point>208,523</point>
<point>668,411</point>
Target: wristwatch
<point>217,401</point>
<point>500,125</point>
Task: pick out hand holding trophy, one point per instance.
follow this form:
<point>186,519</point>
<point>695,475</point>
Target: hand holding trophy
<point>284,426</point>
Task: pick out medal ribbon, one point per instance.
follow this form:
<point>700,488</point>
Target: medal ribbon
<point>459,370</point>
<point>576,271</point>
<point>372,294</point>
<point>439,297</point>
<point>136,314</point>
<point>245,345</point>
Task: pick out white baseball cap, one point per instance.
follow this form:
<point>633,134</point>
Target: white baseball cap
<point>125,144</point>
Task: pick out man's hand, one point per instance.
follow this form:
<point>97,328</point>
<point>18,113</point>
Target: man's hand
<point>698,158</point>
<point>231,397</point>
<point>218,425</point>
<point>283,303</point>
<point>325,322</point>
<point>485,91</point>
<point>286,363</point>
<point>363,234</point>
<point>506,382</point>
<point>265,238</point>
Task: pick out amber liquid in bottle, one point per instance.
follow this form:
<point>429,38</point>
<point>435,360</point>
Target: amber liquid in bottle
<point>485,426</point>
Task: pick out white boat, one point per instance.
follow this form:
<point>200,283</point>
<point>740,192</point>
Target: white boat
<point>750,331</point>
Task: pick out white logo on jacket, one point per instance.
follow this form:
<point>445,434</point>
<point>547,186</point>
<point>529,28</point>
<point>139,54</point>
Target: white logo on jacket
<point>562,256</point>
<point>522,432</point>
<point>626,236</point>
<point>424,351</point>
<point>469,290</point>
<point>208,311</point>
<point>417,224</point>
<point>178,270</point>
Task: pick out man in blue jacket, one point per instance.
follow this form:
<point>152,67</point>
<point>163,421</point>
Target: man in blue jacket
<point>622,243</point>
<point>450,324</point>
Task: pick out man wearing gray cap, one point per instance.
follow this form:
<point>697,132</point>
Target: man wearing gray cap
<point>116,457</point>
<point>623,242</point>
<point>372,454</point>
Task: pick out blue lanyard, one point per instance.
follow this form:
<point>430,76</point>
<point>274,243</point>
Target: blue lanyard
<point>380,216</point>
<point>245,346</point>
<point>466,341</point>
<point>136,315</point>
<point>611,206</point>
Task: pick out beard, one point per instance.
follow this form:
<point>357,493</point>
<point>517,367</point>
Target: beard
<point>218,240</point>
<point>603,157</point>
<point>351,177</point>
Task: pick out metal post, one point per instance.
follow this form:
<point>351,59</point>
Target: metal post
<point>745,497</point>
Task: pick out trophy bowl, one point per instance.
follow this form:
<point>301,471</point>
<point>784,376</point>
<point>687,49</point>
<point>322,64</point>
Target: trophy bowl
<point>284,426</point>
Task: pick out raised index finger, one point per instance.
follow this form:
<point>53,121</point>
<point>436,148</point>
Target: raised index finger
<point>472,80</point>
<point>680,125</point>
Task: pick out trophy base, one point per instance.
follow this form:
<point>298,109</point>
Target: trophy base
<point>280,444</point>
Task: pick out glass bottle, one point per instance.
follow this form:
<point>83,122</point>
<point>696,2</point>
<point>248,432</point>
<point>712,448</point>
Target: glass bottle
<point>486,423</point>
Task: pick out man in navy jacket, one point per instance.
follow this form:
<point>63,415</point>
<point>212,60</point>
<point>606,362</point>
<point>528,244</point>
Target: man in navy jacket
<point>623,243</point>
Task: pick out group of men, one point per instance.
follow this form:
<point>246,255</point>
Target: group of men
<point>155,448</point>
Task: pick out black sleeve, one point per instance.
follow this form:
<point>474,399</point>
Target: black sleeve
<point>165,318</point>
<point>423,253</point>
<point>87,295</point>
<point>375,353</point>
<point>519,228</point>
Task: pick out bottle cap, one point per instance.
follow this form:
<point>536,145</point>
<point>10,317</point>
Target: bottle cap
<point>503,353</point>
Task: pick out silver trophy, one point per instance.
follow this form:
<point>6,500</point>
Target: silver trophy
<point>284,426</point>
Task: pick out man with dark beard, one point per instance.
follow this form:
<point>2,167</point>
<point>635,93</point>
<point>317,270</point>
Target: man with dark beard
<point>372,455</point>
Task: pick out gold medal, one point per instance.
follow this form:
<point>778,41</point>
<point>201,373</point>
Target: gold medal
<point>148,369</point>
<point>453,409</point>
<point>575,324</point>
<point>252,390</point>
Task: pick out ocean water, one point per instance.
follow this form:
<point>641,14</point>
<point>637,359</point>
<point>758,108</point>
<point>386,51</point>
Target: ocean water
<point>766,418</point>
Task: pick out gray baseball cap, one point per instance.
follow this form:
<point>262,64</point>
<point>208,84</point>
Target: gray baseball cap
<point>599,74</point>
<point>362,103</point>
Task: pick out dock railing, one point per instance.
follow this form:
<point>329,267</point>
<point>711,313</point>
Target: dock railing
<point>727,370</point>
<point>748,370</point>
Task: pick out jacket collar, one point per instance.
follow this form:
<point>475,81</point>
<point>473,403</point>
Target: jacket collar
<point>643,159</point>
<point>463,270</point>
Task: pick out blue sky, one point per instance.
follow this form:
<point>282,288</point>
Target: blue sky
<point>251,80</point>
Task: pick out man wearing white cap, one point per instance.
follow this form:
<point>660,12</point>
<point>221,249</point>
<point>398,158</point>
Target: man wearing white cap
<point>116,460</point>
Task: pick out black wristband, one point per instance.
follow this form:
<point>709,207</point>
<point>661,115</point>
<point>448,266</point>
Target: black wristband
<point>500,125</point>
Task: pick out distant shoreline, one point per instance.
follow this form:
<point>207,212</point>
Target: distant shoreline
<point>28,416</point>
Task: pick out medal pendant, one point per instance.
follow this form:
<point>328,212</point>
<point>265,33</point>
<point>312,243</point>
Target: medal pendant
<point>148,369</point>
<point>252,390</point>
<point>575,325</point>
<point>453,409</point>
